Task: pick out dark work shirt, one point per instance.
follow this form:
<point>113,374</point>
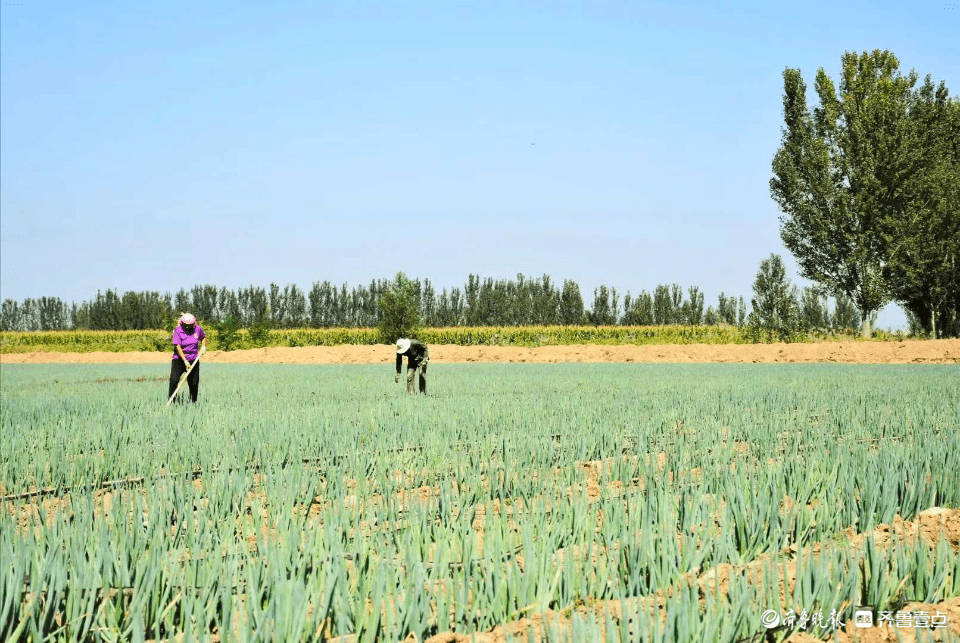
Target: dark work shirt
<point>417,352</point>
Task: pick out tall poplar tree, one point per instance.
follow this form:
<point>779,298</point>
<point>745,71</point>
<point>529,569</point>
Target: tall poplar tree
<point>399,314</point>
<point>840,171</point>
<point>922,238</point>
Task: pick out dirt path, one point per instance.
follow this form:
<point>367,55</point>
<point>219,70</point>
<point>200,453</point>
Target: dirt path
<point>944,351</point>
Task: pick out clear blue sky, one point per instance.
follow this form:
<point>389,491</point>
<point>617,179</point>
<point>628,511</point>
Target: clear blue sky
<point>153,148</point>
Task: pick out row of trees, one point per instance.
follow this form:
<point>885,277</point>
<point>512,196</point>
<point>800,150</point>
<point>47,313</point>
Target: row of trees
<point>782,309</point>
<point>779,309</point>
<point>482,302</point>
<point>869,187</point>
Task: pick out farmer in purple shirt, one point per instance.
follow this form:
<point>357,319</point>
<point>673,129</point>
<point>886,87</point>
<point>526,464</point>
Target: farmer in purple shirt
<point>189,342</point>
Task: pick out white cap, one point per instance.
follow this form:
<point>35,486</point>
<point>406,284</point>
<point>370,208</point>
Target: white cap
<point>188,319</point>
<point>402,345</point>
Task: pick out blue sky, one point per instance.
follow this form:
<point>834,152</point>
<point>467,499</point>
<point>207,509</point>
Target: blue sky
<point>618,143</point>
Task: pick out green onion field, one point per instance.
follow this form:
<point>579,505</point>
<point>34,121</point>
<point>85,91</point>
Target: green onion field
<point>560,502</point>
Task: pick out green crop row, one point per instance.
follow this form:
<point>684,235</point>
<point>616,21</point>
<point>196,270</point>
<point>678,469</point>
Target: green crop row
<point>302,503</point>
<point>149,340</point>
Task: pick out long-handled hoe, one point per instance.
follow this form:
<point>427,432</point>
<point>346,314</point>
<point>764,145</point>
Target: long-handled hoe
<point>183,378</point>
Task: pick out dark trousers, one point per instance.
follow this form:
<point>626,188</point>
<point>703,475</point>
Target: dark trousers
<point>177,368</point>
<point>412,369</point>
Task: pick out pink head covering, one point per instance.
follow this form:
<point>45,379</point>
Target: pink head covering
<point>188,319</point>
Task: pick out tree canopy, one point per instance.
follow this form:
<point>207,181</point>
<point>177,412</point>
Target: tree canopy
<point>399,312</point>
<point>922,239</point>
<point>866,184</point>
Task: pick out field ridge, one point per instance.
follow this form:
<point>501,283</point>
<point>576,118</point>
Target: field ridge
<point>943,351</point>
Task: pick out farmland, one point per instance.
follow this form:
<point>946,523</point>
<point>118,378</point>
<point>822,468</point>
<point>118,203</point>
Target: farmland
<point>82,341</point>
<point>647,502</point>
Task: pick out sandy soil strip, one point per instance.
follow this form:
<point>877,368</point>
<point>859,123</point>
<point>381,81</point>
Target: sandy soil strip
<point>943,351</point>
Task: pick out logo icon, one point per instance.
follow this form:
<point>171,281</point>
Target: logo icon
<point>770,619</point>
<point>863,618</point>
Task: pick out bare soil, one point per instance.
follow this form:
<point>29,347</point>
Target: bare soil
<point>943,351</point>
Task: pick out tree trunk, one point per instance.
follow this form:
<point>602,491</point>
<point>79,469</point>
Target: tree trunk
<point>933,322</point>
<point>865,330</point>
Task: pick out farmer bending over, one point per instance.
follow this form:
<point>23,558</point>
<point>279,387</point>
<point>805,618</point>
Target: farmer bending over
<point>417,359</point>
<point>189,342</point>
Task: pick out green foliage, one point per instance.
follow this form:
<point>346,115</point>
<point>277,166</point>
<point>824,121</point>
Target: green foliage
<point>774,302</point>
<point>731,311</point>
<point>692,309</point>
<point>228,334</point>
<point>571,304</point>
<point>639,311</point>
<point>171,320</point>
<point>711,318</point>
<point>921,238</point>
<point>663,310</point>
<point>868,187</point>
<point>833,172</point>
<point>399,313</point>
<point>845,314</point>
<point>814,311</point>
<point>605,304</point>
<point>484,302</point>
<point>916,327</point>
<point>259,333</point>
<point>302,499</point>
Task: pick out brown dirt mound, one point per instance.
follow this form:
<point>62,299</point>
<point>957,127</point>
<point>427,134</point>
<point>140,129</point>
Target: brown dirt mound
<point>943,351</point>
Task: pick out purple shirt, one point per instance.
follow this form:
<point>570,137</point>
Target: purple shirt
<point>189,343</point>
